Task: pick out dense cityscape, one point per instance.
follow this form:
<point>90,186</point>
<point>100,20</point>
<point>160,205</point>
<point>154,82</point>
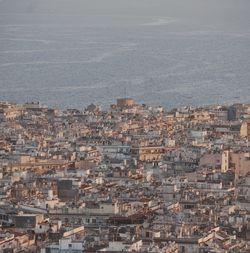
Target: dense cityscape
<point>130,178</point>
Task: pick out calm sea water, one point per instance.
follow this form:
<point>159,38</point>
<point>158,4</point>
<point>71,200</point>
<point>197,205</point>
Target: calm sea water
<point>70,53</point>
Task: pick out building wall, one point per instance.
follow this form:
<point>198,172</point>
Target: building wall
<point>124,102</point>
<point>225,158</point>
<point>211,160</point>
<point>245,130</point>
<point>241,162</point>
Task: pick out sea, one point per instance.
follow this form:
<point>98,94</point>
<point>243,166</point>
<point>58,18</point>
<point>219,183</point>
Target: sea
<point>71,53</point>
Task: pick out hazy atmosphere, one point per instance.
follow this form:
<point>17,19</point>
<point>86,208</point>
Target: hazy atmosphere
<point>70,53</point>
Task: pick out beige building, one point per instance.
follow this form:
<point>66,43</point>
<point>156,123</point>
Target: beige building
<point>125,102</point>
<point>245,130</point>
<point>241,163</point>
<point>238,161</point>
<point>148,153</point>
<point>11,112</point>
<point>225,161</point>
